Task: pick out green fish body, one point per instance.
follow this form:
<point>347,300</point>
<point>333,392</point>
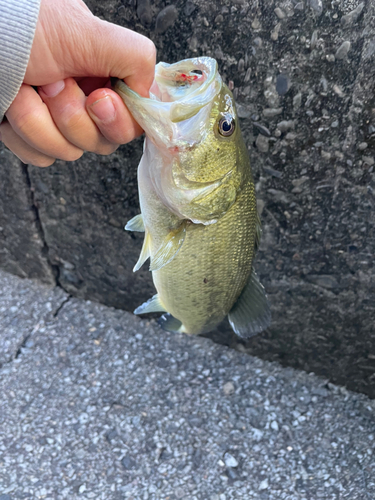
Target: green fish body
<point>198,204</point>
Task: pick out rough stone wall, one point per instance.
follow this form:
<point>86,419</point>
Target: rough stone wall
<point>83,207</point>
<point>303,76</point>
<point>22,246</point>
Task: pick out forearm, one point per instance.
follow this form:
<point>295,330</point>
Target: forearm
<point>18,20</point>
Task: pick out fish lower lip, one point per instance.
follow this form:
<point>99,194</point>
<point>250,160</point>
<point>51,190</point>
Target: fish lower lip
<point>178,148</point>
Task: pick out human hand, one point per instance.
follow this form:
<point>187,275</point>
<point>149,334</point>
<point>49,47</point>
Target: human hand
<point>73,55</point>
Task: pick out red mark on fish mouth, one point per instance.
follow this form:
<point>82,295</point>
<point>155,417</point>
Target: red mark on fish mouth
<point>183,77</point>
<point>183,147</point>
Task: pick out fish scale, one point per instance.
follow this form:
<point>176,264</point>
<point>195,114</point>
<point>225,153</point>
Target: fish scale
<point>221,254</point>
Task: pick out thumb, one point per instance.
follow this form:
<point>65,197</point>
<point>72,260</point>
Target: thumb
<point>122,53</point>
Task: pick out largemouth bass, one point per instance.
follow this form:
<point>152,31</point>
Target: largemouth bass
<point>198,206</point>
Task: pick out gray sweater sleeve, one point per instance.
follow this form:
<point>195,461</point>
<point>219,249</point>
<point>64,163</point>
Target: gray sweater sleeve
<point>18,20</point>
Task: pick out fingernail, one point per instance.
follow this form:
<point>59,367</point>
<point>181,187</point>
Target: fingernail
<point>104,109</point>
<point>53,89</point>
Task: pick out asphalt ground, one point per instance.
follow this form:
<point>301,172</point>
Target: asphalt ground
<point>97,403</point>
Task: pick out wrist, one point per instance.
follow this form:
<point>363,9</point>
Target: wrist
<point>17,28</point>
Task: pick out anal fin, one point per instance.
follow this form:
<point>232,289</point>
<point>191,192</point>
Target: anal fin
<point>251,312</point>
<point>169,248</point>
<point>152,305</point>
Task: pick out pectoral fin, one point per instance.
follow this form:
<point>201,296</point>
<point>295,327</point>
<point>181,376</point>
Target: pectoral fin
<point>251,313</point>
<point>145,252</point>
<point>169,248</point>
<point>136,224</point>
<point>152,305</point>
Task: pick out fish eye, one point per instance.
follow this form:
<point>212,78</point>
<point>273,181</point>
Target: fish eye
<point>226,126</point>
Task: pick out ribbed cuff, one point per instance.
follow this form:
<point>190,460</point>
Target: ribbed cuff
<point>18,20</point>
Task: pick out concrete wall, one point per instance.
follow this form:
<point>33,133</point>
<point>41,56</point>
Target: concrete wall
<point>303,74</point>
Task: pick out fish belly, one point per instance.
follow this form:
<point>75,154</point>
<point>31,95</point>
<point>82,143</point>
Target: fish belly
<point>200,285</point>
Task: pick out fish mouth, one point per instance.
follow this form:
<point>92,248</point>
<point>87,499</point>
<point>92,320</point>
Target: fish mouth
<point>175,114</point>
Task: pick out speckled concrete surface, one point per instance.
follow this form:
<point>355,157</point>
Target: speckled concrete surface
<point>97,403</point>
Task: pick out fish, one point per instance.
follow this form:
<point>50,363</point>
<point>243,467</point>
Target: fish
<point>198,202</point>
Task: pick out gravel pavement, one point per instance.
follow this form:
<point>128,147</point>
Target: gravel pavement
<point>97,403</point>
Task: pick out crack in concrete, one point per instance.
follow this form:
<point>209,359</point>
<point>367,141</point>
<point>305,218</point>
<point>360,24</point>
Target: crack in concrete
<point>38,223</point>
<point>34,330</point>
<point>21,346</point>
<point>55,270</point>
<point>65,301</point>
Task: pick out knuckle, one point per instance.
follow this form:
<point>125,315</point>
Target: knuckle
<point>150,51</point>
<point>72,117</point>
<point>25,121</point>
